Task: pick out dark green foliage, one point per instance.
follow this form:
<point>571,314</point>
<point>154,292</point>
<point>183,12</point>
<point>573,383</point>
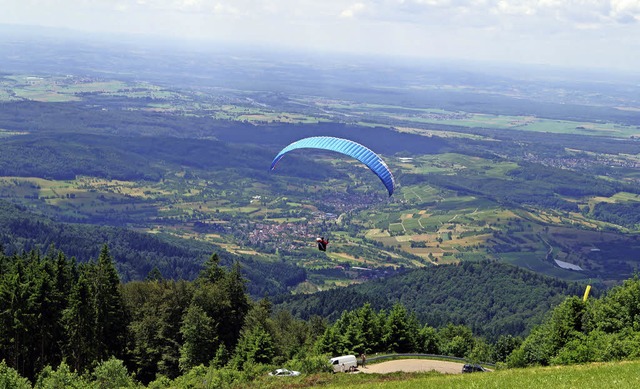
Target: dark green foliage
<point>51,311</point>
<point>200,340</point>
<point>111,318</point>
<point>64,156</point>
<point>79,321</point>
<point>112,374</point>
<point>23,230</point>
<point>399,331</point>
<point>491,298</point>
<point>255,346</point>
<point>605,329</point>
<point>163,328</point>
<point>428,340</point>
<point>62,377</point>
<point>456,340</point>
<point>9,378</point>
<point>156,310</point>
<point>33,293</point>
<point>215,314</point>
<point>624,214</point>
<point>505,346</point>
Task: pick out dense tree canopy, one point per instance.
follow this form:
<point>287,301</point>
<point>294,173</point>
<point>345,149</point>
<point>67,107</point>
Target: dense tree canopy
<point>492,298</point>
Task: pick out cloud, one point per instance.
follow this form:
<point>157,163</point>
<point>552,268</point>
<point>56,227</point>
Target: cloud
<point>352,10</point>
<point>576,12</point>
<point>526,30</point>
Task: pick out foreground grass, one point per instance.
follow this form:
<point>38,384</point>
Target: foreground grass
<point>596,375</point>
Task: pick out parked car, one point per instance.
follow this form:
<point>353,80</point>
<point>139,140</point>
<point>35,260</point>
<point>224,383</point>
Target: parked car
<point>344,363</point>
<point>469,368</point>
<point>284,373</point>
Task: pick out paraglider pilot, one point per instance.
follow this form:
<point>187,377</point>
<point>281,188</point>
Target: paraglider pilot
<point>322,244</point>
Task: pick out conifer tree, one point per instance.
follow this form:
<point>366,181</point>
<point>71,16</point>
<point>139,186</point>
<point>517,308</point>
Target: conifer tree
<point>238,304</point>
<point>397,332</point>
<point>255,345</point>
<point>211,272</point>
<point>79,320</point>
<point>200,341</point>
<point>111,318</point>
<point>371,331</point>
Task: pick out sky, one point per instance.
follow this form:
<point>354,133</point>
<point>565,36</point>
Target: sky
<point>569,33</point>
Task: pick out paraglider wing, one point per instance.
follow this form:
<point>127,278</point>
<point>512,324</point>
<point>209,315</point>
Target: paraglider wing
<point>347,147</point>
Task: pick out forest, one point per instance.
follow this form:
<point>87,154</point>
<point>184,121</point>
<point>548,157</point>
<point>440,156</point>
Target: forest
<point>490,298</point>
<point>75,322</point>
<point>59,312</point>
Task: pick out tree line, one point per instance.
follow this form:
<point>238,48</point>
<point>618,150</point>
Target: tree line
<point>490,297</point>
<point>577,331</point>
<point>64,321</point>
<point>54,310</point>
<point>59,315</point>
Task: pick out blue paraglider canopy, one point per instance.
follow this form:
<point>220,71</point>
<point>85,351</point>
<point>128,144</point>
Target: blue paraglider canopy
<point>347,147</point>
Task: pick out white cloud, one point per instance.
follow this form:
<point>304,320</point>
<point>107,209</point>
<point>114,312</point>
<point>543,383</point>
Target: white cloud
<point>515,8</point>
<point>521,30</point>
<point>352,10</point>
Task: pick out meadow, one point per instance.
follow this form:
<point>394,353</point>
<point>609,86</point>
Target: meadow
<point>593,375</point>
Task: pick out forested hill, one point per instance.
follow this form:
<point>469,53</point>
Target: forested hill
<point>136,253</point>
<point>492,298</point>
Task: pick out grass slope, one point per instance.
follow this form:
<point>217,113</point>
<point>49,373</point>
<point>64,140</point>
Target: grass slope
<point>617,375</point>
<point>597,375</point>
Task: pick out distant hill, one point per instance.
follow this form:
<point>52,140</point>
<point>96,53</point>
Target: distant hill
<point>490,297</point>
<point>136,253</point>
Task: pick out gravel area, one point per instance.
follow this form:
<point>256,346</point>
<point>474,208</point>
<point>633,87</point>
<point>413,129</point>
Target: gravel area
<point>412,365</point>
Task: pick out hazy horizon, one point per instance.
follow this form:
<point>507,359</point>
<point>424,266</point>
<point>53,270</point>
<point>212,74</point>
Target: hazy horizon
<point>590,34</point>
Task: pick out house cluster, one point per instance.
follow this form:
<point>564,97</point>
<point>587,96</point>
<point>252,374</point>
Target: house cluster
<point>346,202</point>
<point>580,162</point>
<point>282,235</point>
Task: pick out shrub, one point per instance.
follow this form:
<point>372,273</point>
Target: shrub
<point>310,365</point>
<point>112,374</point>
<point>9,378</point>
<point>61,378</point>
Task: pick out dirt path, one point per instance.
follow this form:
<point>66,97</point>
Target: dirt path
<point>412,365</point>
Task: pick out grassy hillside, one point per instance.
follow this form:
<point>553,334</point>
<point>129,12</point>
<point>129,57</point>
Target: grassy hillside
<point>596,375</point>
<point>490,297</point>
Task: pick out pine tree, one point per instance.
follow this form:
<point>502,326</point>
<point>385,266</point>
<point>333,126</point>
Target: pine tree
<point>371,331</point>
<point>111,319</point>
<point>231,322</point>
<point>330,342</point>
<point>397,333</point>
<point>79,321</point>
<point>211,272</point>
<point>255,345</point>
<point>200,341</point>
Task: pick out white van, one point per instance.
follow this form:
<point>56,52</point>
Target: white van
<point>344,363</point>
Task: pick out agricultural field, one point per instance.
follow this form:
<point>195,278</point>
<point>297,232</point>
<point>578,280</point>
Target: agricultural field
<point>236,219</point>
<point>475,120</point>
<point>442,227</point>
<point>241,106</point>
<point>422,225</point>
<point>425,223</point>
